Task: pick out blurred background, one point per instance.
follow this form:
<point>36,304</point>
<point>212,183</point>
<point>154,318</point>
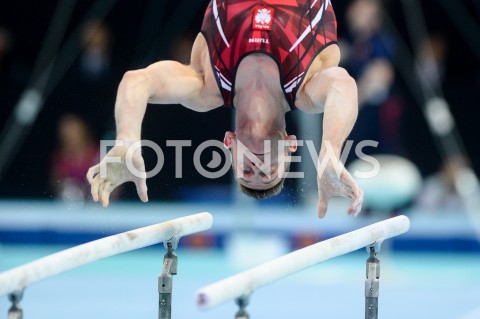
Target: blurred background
<point>417,66</point>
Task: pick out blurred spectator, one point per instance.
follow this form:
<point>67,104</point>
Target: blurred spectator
<point>431,60</point>
<point>368,52</point>
<point>89,88</point>
<point>95,59</point>
<point>439,189</point>
<point>76,152</point>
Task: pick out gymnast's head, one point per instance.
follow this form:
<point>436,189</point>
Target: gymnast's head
<point>259,165</point>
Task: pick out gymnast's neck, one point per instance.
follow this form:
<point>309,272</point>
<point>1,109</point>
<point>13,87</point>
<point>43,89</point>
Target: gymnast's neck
<point>259,100</point>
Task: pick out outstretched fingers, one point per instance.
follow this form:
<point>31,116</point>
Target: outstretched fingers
<point>357,200</point>
<point>142,189</point>
<point>322,204</point>
<point>357,204</point>
<point>92,172</point>
<point>94,179</point>
<point>94,188</point>
<point>345,187</point>
<point>141,180</point>
<point>104,191</point>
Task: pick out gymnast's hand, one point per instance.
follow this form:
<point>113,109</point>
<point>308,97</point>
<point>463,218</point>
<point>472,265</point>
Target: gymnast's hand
<point>331,184</point>
<point>116,169</point>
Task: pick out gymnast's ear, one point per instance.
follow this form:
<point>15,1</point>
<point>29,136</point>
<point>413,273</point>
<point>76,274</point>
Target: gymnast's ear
<point>292,143</point>
<point>228,139</point>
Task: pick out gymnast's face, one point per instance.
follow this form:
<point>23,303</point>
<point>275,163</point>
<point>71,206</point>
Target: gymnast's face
<point>256,164</point>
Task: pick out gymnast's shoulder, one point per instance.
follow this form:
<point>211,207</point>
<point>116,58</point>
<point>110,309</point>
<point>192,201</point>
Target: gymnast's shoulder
<point>209,97</point>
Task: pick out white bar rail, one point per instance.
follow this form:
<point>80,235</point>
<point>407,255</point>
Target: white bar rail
<point>20,277</point>
<point>246,282</point>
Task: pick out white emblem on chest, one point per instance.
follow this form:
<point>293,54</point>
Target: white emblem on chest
<point>263,16</point>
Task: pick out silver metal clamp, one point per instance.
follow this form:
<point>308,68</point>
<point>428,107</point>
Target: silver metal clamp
<point>165,280</point>
<point>372,283</point>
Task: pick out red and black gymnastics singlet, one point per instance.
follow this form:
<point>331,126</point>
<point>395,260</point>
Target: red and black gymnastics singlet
<point>292,32</point>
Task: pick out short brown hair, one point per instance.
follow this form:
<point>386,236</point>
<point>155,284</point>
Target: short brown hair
<point>263,193</point>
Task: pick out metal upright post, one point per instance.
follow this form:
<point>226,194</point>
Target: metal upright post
<point>242,303</point>
<point>372,282</point>
<point>15,311</point>
<point>165,280</point>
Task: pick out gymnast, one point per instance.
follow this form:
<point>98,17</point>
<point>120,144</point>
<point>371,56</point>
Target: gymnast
<point>263,58</point>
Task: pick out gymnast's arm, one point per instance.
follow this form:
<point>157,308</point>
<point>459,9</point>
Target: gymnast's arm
<point>165,82</point>
<point>334,92</point>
